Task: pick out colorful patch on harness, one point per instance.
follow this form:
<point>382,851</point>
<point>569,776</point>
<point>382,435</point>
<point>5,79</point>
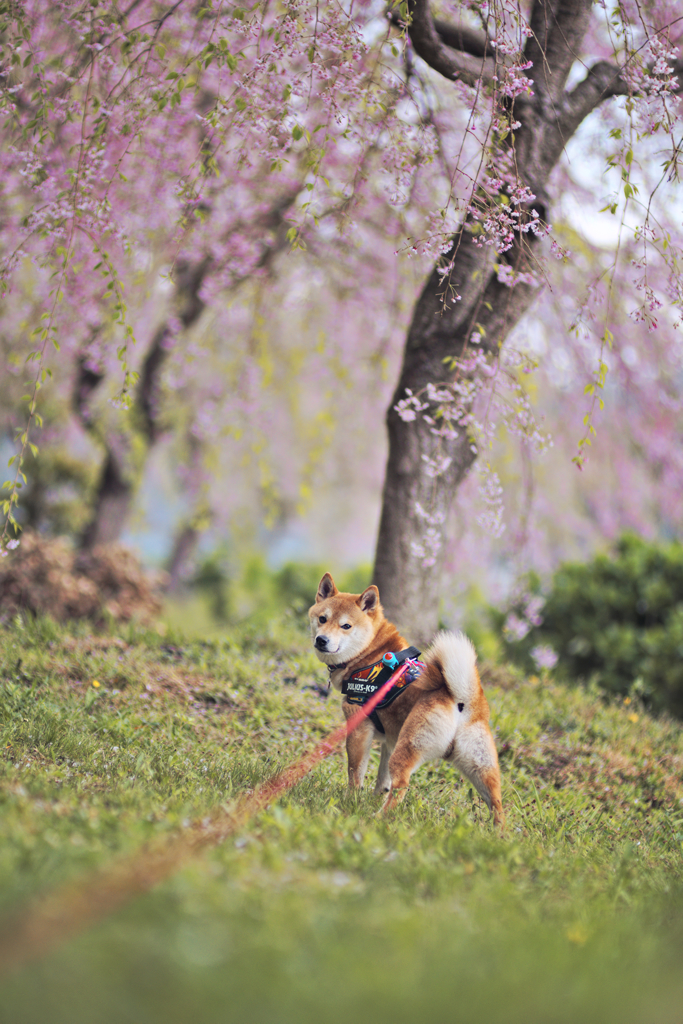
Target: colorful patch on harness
<point>365,682</point>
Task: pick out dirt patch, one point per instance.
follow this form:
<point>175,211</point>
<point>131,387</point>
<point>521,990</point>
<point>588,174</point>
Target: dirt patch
<point>500,676</point>
<point>47,576</point>
<point>605,773</point>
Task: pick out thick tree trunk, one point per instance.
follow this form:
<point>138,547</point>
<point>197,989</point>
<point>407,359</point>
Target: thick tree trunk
<point>119,477</point>
<point>182,557</point>
<point>411,592</point>
<point>112,504</point>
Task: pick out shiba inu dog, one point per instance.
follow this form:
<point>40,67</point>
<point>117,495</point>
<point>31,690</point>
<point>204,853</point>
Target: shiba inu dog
<point>439,711</point>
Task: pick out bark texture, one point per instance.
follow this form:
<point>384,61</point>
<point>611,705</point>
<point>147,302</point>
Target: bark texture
<point>411,593</point>
<point>119,476</point>
<point>121,469</point>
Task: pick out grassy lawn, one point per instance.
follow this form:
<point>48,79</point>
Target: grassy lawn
<point>317,909</point>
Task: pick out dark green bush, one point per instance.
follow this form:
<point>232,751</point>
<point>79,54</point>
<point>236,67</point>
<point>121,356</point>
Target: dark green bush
<point>617,620</point>
<point>240,588</point>
<point>297,582</point>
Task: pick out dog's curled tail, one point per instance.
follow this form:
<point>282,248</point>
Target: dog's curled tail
<point>455,658</point>
<point>452,661</point>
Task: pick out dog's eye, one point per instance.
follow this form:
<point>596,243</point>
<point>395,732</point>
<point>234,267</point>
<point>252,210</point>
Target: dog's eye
<point>346,626</point>
<point>322,619</point>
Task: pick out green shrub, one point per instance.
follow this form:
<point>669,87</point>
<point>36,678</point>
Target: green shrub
<point>616,620</point>
<point>296,583</point>
<point>212,578</point>
<point>240,587</point>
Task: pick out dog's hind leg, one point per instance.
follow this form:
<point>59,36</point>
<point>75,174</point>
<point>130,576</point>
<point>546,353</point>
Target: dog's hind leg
<point>474,753</point>
<point>383,784</point>
<point>426,735</point>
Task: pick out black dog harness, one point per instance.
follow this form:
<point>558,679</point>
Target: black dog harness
<point>364,682</point>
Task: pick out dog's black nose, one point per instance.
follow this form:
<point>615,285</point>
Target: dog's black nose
<point>321,642</point>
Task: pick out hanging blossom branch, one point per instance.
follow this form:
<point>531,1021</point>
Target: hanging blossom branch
<point>482,397</point>
<point>502,208</point>
<point>172,104</point>
<point>156,129</point>
<point>499,213</point>
<point>650,78</point>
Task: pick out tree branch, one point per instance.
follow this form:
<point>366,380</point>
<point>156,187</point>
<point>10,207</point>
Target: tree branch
<point>602,81</point>
<point>461,37</point>
<point>88,379</point>
<point>189,279</point>
<point>558,27</point>
<point>455,65</point>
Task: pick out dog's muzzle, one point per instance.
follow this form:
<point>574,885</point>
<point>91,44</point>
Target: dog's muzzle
<point>321,643</point>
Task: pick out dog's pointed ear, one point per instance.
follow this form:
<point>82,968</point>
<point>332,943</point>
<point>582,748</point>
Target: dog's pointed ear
<point>326,588</point>
<point>369,600</point>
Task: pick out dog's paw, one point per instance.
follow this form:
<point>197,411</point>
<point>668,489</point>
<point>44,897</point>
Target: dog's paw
<point>394,797</point>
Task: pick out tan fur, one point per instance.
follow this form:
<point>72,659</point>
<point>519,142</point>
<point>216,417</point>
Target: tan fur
<point>424,723</point>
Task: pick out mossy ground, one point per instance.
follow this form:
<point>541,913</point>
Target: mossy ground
<point>318,909</point>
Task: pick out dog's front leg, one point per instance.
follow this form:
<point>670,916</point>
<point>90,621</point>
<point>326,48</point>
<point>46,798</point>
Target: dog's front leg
<point>383,784</point>
<point>358,744</point>
<point>402,763</point>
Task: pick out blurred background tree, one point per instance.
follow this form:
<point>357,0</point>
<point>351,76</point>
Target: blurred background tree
<point>217,222</point>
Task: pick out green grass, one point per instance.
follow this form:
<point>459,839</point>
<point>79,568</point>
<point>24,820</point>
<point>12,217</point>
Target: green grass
<point>319,910</point>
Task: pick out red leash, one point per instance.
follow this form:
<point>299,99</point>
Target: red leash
<point>287,778</point>
<point>34,931</point>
